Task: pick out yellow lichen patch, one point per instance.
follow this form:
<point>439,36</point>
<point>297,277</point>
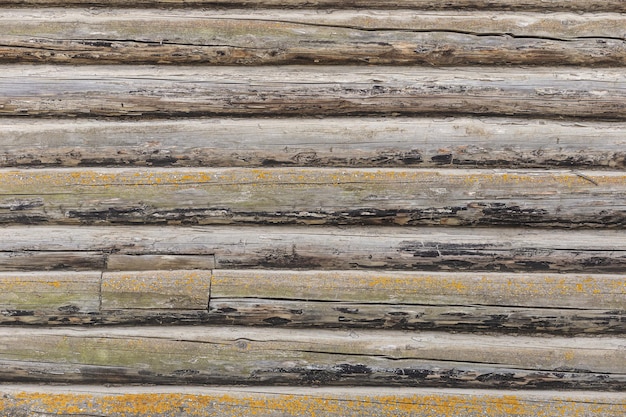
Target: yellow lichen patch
<point>268,404</point>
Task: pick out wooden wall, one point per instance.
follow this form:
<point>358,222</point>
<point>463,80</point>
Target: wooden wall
<point>312,208</point>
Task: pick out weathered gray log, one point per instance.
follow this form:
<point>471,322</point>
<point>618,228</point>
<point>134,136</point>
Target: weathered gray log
<point>314,196</point>
<point>133,91</point>
<point>539,5</point>
<point>120,401</point>
<point>239,355</point>
<point>521,303</point>
<point>310,37</point>
<point>563,304</point>
<point>279,247</point>
<point>363,142</point>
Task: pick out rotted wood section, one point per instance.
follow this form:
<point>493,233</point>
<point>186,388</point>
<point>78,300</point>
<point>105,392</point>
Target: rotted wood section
<point>241,355</point>
<point>164,92</point>
<point>260,37</point>
<point>298,401</point>
<point>309,142</point>
<point>570,199</point>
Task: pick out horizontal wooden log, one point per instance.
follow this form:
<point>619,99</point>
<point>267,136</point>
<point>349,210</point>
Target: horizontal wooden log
<point>310,37</point>
<point>363,142</point>
<point>524,5</point>
<point>313,196</point>
<point>564,304</point>
<point>132,91</point>
<point>521,303</point>
<point>279,247</point>
<point>21,399</point>
<point>239,355</point>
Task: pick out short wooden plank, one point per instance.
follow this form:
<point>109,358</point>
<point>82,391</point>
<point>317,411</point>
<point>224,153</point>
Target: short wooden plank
<point>310,37</point>
<point>346,142</point>
<point>239,355</point>
<point>49,298</point>
<point>143,262</point>
<point>26,260</point>
<point>119,401</point>
<point>176,290</point>
<point>522,5</point>
<point>570,199</point>
<point>132,91</point>
<point>299,314</point>
<point>280,247</point>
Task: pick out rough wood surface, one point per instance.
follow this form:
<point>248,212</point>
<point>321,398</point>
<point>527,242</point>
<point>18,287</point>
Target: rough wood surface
<point>523,5</point>
<point>314,196</point>
<point>121,401</point>
<point>310,37</point>
<point>366,142</point>
<point>279,247</point>
<point>560,304</point>
<point>133,91</point>
<point>236,355</point>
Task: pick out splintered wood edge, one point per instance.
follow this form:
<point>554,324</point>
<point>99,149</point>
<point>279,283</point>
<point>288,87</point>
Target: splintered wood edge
<point>122,401</point>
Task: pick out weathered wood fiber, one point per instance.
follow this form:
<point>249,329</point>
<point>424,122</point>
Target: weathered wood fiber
<point>363,142</point>
<point>298,314</point>
<point>310,37</point>
<point>563,304</point>
<point>575,291</point>
<point>133,91</point>
<point>314,196</point>
<point>524,5</point>
<point>49,298</point>
<point>239,355</point>
<point>121,401</point>
<point>279,247</point>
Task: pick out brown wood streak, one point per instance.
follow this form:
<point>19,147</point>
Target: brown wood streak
<point>285,37</point>
<point>331,142</point>
<point>525,5</point>
<point>192,355</point>
<point>279,247</point>
<point>119,91</point>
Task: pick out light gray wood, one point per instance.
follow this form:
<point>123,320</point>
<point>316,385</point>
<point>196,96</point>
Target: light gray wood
<point>133,91</point>
<point>314,196</point>
<point>119,401</point>
<point>323,357</point>
<point>539,5</point>
<point>243,37</point>
<point>278,247</point>
<point>347,142</point>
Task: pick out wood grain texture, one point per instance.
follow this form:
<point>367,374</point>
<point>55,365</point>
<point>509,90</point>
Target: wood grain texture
<point>523,5</point>
<point>558,304</point>
<point>22,399</point>
<point>344,142</point>
<point>134,91</point>
<point>310,37</point>
<point>314,196</point>
<point>279,247</point>
<point>239,355</point>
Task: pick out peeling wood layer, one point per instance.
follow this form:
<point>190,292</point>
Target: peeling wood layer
<point>296,401</point>
<point>366,142</point>
<point>279,247</point>
<point>305,37</point>
<point>119,91</point>
<point>518,5</point>
<point>313,196</point>
<point>192,355</point>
